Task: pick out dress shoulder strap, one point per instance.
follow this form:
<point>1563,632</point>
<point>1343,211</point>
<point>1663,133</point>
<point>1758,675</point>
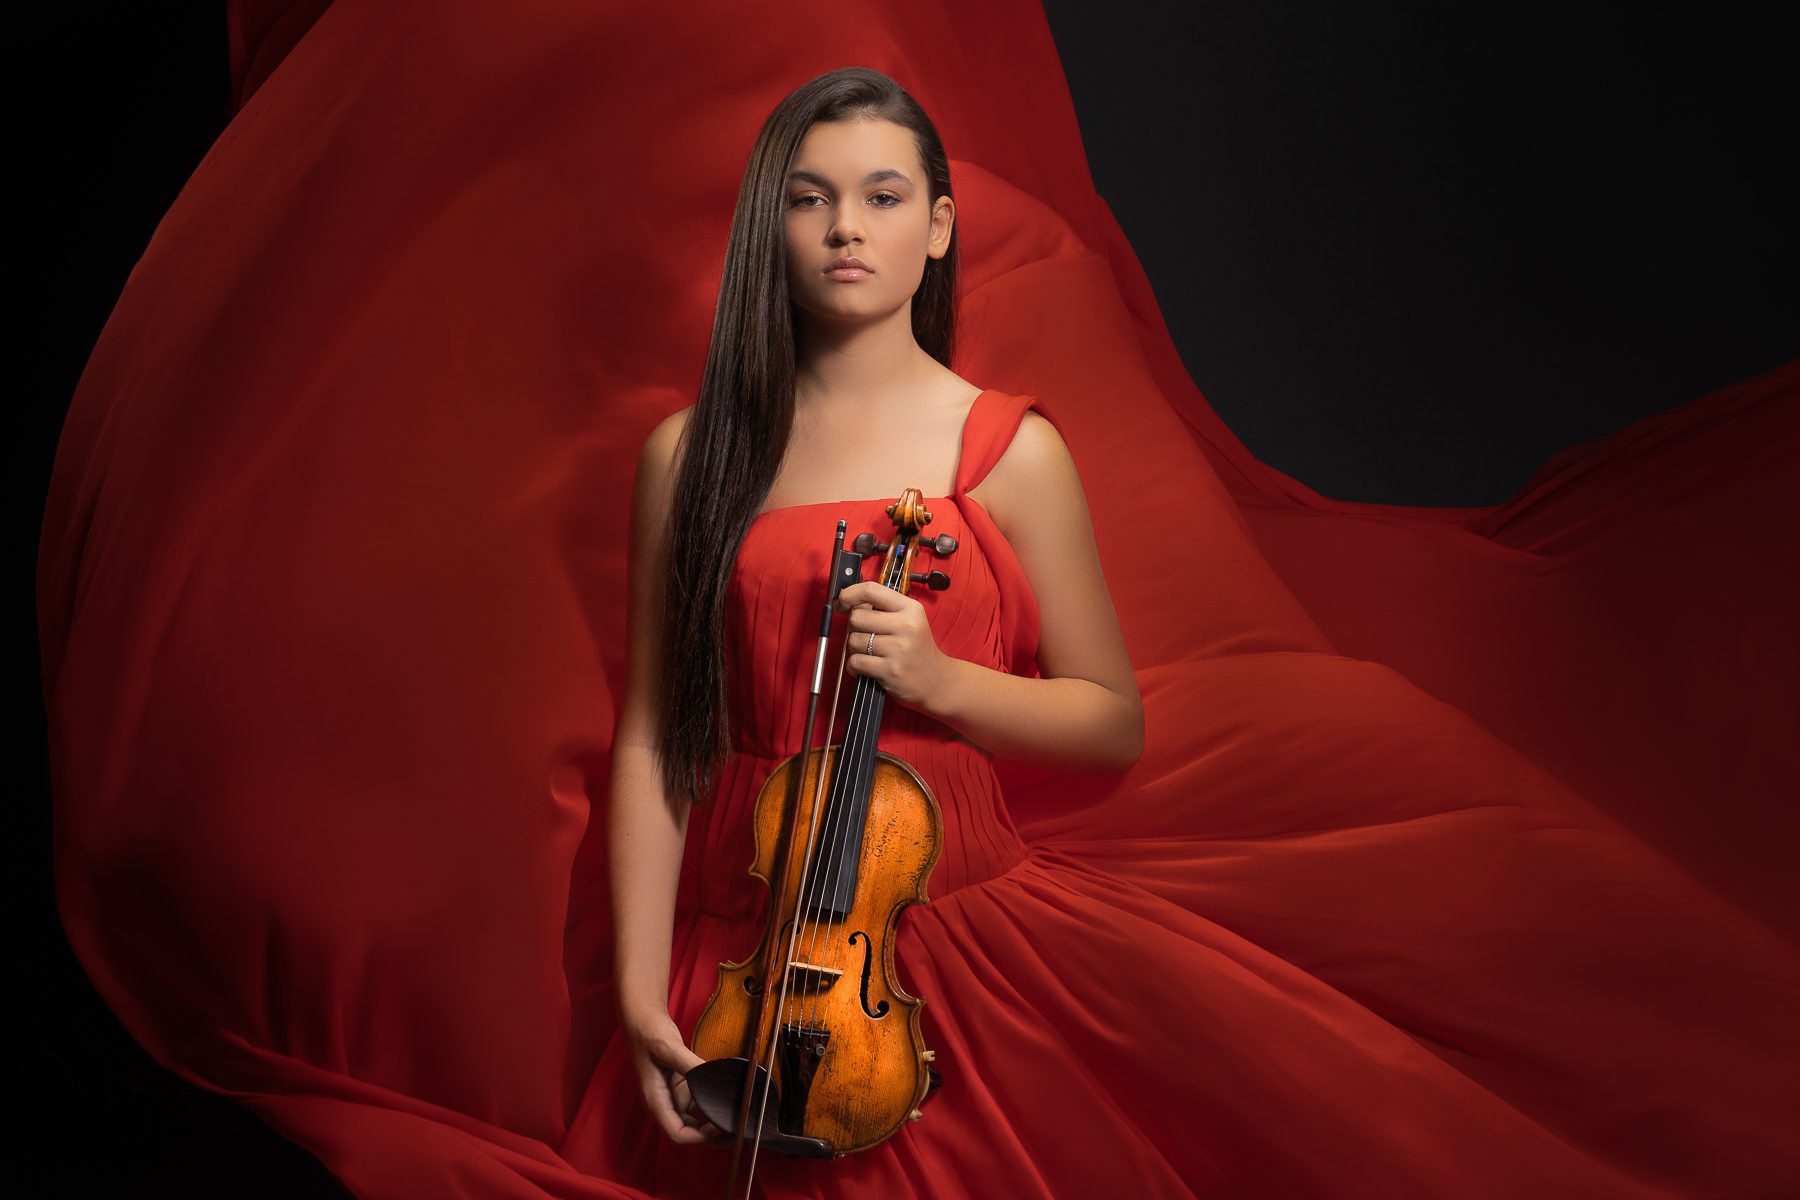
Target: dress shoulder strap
<point>987,433</point>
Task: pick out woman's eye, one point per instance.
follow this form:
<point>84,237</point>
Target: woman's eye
<point>801,201</point>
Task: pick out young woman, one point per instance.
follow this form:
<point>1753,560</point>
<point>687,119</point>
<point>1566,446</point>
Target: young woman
<point>828,377</point>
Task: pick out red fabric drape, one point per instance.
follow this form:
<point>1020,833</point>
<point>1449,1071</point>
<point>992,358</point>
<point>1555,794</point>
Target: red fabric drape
<point>332,602</point>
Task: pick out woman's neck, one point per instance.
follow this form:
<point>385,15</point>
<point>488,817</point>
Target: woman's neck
<point>868,365</point>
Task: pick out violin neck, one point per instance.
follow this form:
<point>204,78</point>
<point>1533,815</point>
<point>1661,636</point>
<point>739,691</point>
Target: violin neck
<point>838,850</point>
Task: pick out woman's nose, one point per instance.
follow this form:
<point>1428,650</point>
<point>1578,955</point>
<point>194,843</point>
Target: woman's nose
<point>846,229</point>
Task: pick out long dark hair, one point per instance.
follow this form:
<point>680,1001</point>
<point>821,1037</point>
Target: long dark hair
<point>734,441</point>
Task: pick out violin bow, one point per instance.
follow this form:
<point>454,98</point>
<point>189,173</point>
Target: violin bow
<point>763,1045</point>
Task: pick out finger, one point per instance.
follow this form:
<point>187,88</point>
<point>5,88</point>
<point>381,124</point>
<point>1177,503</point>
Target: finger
<point>872,665</point>
<point>686,1104</point>
<point>664,1114</point>
<point>872,620</point>
<point>672,1123</point>
<point>872,592</point>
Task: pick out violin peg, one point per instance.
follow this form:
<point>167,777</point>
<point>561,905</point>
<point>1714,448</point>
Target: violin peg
<point>865,545</point>
<point>941,545</point>
<point>936,580</point>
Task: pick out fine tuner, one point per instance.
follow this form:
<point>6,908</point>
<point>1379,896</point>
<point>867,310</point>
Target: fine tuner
<point>941,545</point>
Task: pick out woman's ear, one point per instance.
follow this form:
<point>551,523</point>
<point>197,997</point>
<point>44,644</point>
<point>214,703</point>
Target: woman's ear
<point>943,220</point>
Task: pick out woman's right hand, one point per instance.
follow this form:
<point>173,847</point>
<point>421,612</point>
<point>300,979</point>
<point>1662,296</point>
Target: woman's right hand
<point>663,1060</point>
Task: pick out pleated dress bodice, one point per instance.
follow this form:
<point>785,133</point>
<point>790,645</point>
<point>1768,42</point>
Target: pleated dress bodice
<point>988,615</point>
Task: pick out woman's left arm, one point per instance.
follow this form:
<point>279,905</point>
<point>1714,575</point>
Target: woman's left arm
<point>1085,712</point>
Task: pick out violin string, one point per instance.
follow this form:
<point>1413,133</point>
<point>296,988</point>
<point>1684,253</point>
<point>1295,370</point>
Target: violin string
<point>803,917</point>
<point>838,819</point>
<point>834,818</point>
<point>861,700</point>
<point>864,765</point>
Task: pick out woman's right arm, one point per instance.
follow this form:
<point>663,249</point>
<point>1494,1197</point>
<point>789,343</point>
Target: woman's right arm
<point>646,830</point>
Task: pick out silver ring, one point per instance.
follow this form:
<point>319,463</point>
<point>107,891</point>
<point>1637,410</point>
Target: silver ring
<point>871,648</point>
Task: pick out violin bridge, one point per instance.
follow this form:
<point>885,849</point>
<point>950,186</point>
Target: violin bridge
<point>808,977</point>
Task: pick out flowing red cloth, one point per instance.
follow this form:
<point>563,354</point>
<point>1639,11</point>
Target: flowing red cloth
<point>1454,865</point>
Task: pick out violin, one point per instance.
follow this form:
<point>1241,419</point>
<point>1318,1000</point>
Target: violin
<point>813,1047</point>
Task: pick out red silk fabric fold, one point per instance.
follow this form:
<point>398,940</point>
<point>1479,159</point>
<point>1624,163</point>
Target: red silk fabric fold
<point>331,595</point>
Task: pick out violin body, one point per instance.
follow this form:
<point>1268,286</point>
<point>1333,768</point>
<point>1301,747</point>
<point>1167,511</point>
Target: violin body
<point>849,1063</point>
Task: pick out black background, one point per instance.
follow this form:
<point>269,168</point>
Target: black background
<point>1407,252</point>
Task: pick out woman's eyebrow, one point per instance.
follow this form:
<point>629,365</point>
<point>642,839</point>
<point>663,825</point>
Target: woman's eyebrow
<point>801,174</point>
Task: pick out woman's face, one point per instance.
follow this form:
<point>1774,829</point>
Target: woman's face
<point>858,190</point>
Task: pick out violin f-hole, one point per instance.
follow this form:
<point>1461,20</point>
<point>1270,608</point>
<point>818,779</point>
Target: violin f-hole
<point>880,1010</point>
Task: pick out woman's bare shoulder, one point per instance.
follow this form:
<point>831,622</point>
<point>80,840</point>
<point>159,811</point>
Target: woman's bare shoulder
<point>1035,463</point>
<point>656,457</point>
<point>1035,445</point>
<point>661,442</point>
<point>656,466</point>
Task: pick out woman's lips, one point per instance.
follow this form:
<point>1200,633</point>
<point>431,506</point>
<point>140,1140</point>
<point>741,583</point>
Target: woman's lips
<point>846,273</point>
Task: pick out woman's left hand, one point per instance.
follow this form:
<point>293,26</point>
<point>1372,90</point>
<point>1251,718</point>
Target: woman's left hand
<point>907,662</point>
